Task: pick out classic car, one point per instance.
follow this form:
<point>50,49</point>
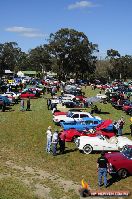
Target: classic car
<point>6,100</point>
<point>70,110</point>
<point>15,95</point>
<point>120,163</point>
<point>27,94</point>
<point>100,143</point>
<point>77,116</point>
<point>72,134</point>
<point>85,124</point>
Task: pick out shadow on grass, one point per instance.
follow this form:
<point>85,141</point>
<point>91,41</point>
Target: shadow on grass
<point>113,180</point>
<point>126,134</point>
<point>104,112</point>
<point>67,151</point>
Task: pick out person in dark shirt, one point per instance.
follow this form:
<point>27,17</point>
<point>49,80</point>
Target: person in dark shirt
<point>102,164</point>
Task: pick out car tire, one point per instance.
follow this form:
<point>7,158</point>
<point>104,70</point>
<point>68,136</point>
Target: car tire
<point>87,149</point>
<point>122,173</point>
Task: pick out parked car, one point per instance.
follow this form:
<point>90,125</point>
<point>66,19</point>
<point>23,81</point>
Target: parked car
<point>100,143</point>
<point>71,117</point>
<point>16,96</point>
<point>6,100</point>
<point>72,134</point>
<point>120,163</point>
<point>27,94</point>
<point>70,110</point>
<point>85,124</point>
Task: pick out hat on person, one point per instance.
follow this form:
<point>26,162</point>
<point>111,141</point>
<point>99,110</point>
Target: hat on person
<point>49,128</point>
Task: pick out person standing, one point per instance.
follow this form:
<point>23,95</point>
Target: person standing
<point>49,138</point>
<point>22,105</point>
<point>54,142</point>
<point>48,104</point>
<point>28,104</point>
<point>102,165</point>
<point>121,123</point>
<point>62,138</point>
<point>131,126</point>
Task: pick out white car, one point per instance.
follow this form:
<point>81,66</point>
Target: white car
<point>100,143</point>
<point>67,97</point>
<point>101,96</point>
<point>72,116</point>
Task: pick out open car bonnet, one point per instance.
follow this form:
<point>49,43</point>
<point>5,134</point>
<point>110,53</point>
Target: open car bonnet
<point>103,125</point>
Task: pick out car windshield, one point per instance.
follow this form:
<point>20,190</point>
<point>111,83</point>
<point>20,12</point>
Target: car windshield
<point>69,114</point>
<point>127,152</point>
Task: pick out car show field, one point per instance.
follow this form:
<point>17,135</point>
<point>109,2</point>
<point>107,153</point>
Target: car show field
<point>27,171</point>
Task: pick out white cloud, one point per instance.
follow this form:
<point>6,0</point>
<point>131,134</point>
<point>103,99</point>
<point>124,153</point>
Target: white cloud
<point>26,32</point>
<point>33,34</point>
<point>81,4</point>
<point>20,29</point>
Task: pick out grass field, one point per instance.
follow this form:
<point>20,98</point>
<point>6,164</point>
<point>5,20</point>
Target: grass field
<point>28,172</point>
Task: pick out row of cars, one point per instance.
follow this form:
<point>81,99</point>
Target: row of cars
<point>91,134</point>
<point>10,98</point>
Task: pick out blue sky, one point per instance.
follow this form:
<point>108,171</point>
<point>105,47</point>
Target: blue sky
<point>105,22</point>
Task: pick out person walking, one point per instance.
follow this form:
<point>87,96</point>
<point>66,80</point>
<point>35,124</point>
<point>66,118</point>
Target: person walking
<point>102,165</point>
<point>49,139</point>
<point>54,142</point>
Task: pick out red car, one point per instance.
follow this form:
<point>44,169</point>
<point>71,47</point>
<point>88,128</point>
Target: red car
<point>27,94</point>
<point>120,163</point>
<point>72,134</point>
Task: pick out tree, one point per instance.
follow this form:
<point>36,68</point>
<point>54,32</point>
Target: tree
<point>73,52</point>
<point>120,65</point>
<point>39,59</point>
<point>9,53</point>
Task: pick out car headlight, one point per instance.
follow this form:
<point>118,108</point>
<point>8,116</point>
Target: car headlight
<point>77,142</point>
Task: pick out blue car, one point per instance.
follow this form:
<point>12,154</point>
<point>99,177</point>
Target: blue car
<point>85,124</point>
<point>6,100</point>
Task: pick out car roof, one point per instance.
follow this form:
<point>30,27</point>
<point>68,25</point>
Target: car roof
<point>77,112</point>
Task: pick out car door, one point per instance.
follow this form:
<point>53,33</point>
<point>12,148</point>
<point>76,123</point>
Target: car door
<point>103,144</point>
<point>109,146</point>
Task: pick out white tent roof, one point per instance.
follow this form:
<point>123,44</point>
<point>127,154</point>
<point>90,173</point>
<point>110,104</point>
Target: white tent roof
<point>20,74</point>
<point>8,72</point>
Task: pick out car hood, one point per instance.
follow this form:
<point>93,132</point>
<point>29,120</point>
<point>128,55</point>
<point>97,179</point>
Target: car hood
<point>115,156</point>
<point>104,125</point>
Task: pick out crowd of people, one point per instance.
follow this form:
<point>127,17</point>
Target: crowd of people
<point>53,139</point>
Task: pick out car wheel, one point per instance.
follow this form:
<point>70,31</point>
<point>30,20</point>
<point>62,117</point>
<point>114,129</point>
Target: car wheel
<point>87,149</point>
<point>122,173</point>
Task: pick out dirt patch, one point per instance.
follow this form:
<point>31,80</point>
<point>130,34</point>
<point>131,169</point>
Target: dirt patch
<point>33,178</point>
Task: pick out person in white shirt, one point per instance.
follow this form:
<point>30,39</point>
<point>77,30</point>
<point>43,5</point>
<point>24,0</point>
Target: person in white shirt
<point>49,139</point>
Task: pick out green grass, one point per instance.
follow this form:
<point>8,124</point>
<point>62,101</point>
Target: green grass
<point>23,142</point>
